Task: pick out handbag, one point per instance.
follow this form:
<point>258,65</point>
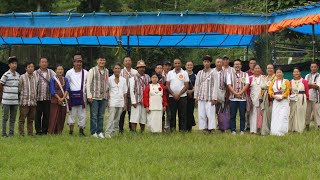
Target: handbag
<point>224,118</point>
<point>76,97</point>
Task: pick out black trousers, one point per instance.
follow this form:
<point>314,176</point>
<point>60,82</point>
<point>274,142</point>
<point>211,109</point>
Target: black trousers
<point>121,122</point>
<point>190,117</point>
<point>42,117</point>
<point>181,107</point>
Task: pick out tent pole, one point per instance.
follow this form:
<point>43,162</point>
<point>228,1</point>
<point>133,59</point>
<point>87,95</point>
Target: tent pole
<point>9,51</point>
<point>313,43</point>
<point>128,47</point>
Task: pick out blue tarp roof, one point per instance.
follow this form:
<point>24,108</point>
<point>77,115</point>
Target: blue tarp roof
<point>182,40</point>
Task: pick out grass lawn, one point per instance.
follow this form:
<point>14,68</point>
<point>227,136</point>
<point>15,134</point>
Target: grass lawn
<point>167,156</point>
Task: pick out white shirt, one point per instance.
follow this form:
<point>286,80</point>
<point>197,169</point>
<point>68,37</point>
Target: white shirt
<point>229,82</point>
<point>75,79</point>
<point>117,91</point>
<point>177,81</point>
<point>312,92</point>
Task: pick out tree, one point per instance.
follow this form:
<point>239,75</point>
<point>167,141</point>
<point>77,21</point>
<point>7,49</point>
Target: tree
<point>9,6</point>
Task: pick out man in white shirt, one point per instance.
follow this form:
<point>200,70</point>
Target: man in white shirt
<point>117,100</point>
<point>77,77</point>
<point>238,83</point>
<point>177,85</point>
<point>313,105</point>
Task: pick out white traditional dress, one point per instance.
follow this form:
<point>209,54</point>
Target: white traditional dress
<point>280,109</point>
<point>155,98</point>
<point>298,104</point>
<point>255,111</point>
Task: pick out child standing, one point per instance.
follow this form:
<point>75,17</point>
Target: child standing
<point>155,102</point>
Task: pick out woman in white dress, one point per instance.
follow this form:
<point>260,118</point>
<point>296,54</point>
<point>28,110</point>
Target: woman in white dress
<point>155,102</point>
<point>298,102</point>
<point>279,90</point>
<point>255,88</point>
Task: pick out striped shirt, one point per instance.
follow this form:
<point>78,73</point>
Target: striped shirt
<point>28,90</point>
<point>43,80</point>
<point>10,82</point>
<point>205,88</point>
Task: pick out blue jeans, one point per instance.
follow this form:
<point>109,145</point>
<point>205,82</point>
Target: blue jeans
<point>234,106</point>
<point>97,110</point>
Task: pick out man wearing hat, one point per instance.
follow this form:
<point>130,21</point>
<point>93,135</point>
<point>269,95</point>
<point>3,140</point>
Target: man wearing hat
<point>77,77</point>
<point>43,76</point>
<point>205,93</point>
<point>137,84</point>
<point>9,84</point>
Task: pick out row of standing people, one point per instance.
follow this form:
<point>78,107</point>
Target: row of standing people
<point>43,92</point>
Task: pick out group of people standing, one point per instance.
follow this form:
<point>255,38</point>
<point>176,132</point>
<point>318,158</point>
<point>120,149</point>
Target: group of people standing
<point>267,104</point>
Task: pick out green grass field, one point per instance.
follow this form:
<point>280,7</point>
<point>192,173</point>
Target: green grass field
<point>166,156</point>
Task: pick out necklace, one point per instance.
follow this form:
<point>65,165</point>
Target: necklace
<point>154,89</point>
<point>255,80</point>
<point>279,89</point>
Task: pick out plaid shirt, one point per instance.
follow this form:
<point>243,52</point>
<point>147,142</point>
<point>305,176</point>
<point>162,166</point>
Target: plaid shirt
<point>205,88</point>
<point>43,91</point>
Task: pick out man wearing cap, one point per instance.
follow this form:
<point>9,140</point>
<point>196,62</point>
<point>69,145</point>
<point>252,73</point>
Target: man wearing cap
<point>127,72</point>
<point>9,87</point>
<point>77,77</point>
<point>137,85</point>
<point>166,120</point>
<point>177,85</point>
<point>43,76</point>
<point>205,93</point>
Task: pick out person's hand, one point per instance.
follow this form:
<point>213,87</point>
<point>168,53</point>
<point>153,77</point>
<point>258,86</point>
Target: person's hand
<point>176,97</point>
<point>148,110</point>
<point>60,99</point>
<point>278,98</point>
<point>134,105</point>
<point>164,109</point>
<point>90,100</point>
<point>124,108</point>
<point>213,102</point>
<point>315,86</point>
<point>237,95</point>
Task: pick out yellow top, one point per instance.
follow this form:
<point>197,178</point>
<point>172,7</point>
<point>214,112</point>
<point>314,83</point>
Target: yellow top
<point>285,94</point>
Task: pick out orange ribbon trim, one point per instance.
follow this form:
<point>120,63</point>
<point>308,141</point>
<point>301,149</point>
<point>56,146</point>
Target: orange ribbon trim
<point>132,30</point>
<point>295,22</point>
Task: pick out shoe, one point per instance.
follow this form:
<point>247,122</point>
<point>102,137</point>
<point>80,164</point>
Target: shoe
<point>95,135</point>
<point>308,127</point>
<point>4,135</point>
<point>38,134</point>
<point>108,136</point>
<point>70,132</point>
<point>81,133</point>
<point>233,133</point>
<point>241,133</point>
<point>100,135</point>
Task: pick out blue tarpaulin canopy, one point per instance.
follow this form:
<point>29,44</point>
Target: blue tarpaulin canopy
<point>183,30</point>
<point>156,29</point>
